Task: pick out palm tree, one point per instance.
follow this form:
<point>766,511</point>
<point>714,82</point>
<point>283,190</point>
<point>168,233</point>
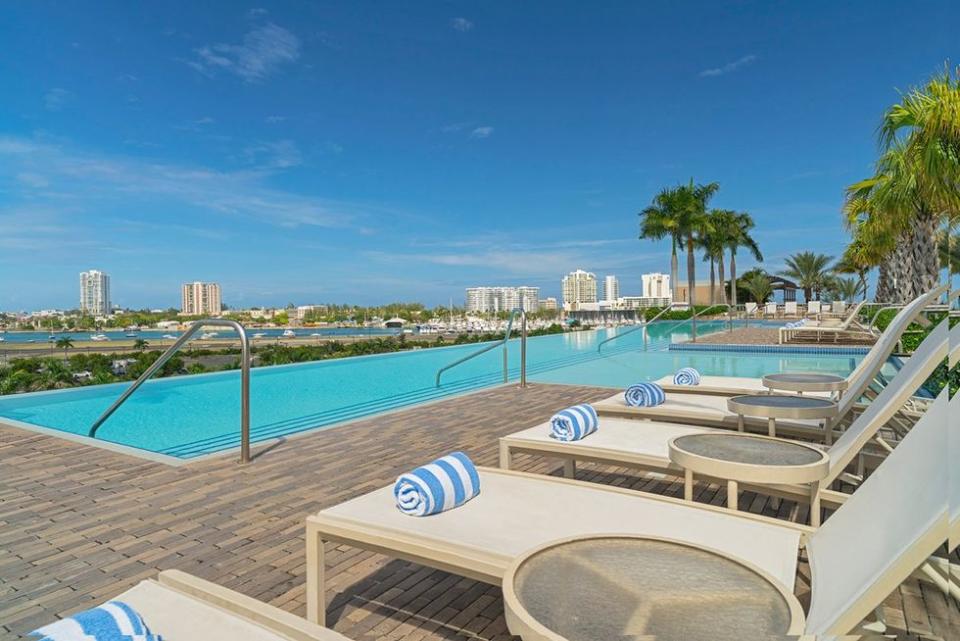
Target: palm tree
<point>927,123</point>
<point>810,270</point>
<point>845,289</point>
<point>896,218</point>
<point>65,343</point>
<point>857,259</point>
<point>141,345</point>
<point>736,233</point>
<point>694,226</point>
<point>949,249</point>
<point>714,247</point>
<point>759,287</point>
<point>662,219</point>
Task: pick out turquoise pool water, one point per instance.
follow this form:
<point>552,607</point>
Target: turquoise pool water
<point>189,416</point>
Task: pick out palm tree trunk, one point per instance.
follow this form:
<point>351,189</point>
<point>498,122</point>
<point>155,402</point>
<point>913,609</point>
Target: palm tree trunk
<point>691,271</point>
<point>720,275</point>
<point>884,293</point>
<point>900,272</point>
<point>674,271</point>
<point>713,284</point>
<point>924,255</point>
<point>733,277</point>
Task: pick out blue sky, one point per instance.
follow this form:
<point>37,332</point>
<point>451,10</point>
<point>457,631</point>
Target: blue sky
<point>371,152</point>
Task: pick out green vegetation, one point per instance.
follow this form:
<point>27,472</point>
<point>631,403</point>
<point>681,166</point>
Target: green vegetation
<point>811,271</point>
<point>759,287</point>
<point>900,216</point>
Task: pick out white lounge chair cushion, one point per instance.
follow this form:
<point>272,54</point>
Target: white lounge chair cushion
<point>623,435</point>
<point>517,512</point>
<point>178,617</point>
<point>693,407</point>
<point>729,385</point>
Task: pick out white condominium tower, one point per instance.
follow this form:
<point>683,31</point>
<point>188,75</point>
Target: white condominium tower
<point>611,289</point>
<point>200,299</point>
<point>656,286</point>
<point>94,293</point>
<point>502,299</point>
<point>579,287</point>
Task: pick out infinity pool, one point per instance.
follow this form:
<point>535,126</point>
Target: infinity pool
<point>189,416</point>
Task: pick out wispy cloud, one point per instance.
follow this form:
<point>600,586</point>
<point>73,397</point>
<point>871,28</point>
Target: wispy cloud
<point>263,50</point>
<point>729,67</point>
<point>482,132</point>
<point>461,24</point>
<point>56,99</point>
<point>273,155</point>
<point>46,174</point>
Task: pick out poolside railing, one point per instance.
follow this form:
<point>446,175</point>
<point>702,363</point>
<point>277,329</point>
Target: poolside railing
<point>499,343</point>
<point>167,355</point>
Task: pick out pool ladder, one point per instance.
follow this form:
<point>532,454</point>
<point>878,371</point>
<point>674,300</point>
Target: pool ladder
<point>502,342</point>
<point>173,349</point>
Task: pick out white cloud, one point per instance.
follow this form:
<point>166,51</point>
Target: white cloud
<point>89,183</point>
<point>272,120</point>
<point>56,98</point>
<point>262,52</point>
<point>482,132</point>
<point>273,155</point>
<point>461,24</point>
<point>729,67</point>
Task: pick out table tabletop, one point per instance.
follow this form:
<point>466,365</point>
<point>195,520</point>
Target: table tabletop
<point>806,382</point>
<point>627,587</point>
<point>783,406</point>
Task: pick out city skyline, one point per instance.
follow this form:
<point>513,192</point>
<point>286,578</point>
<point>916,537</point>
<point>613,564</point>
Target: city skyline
<point>295,168</point>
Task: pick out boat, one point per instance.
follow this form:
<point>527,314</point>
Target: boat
<point>317,335</point>
<point>207,335</point>
<point>289,333</point>
<point>170,336</point>
<point>259,335</point>
<point>99,337</point>
<point>2,339</point>
<point>131,334</point>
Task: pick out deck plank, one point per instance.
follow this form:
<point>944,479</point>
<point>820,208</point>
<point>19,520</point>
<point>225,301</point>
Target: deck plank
<point>80,524</point>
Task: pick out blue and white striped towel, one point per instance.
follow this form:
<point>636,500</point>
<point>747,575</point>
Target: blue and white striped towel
<point>573,423</point>
<point>112,621</point>
<point>644,395</point>
<point>796,324</point>
<point>686,376</point>
<point>444,484</point>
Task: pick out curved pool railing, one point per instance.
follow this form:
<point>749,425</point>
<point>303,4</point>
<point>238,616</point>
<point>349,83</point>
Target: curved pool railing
<point>167,355</point>
<point>499,343</point>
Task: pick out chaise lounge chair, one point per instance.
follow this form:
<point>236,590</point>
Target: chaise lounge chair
<point>645,444</point>
<point>711,409</point>
<point>735,385</point>
<point>849,328</point>
<point>852,568</point>
<point>180,607</point>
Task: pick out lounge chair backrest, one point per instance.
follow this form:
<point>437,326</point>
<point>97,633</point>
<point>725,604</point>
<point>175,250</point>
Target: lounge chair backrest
<point>771,308</point>
<point>750,307</point>
<point>813,307</point>
<point>838,306</point>
<point>953,447</point>
<point>884,531</point>
<point>790,308</point>
<point>931,353</point>
<point>885,345</point>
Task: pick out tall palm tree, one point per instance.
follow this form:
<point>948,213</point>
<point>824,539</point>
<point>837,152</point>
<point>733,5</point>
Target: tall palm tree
<point>845,289</point>
<point>858,259</point>
<point>695,225</point>
<point>715,246</point>
<point>141,344</point>
<point>737,234</point>
<point>662,219</point>
<point>810,270</point>
<point>65,343</point>
<point>949,249</point>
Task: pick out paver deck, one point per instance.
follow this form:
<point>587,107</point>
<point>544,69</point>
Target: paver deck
<point>80,524</point>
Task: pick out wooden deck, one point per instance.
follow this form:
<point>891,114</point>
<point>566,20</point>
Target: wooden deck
<point>79,524</point>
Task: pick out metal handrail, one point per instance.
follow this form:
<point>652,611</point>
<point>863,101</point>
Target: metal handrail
<point>693,318</point>
<point>167,355</point>
<point>499,343</point>
<point>643,323</point>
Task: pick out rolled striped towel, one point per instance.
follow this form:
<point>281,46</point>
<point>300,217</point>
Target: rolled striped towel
<point>444,484</point>
<point>112,621</point>
<point>573,423</point>
<point>644,395</point>
<point>686,376</point>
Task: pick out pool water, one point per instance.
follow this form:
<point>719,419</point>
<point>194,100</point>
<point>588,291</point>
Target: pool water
<point>189,416</point>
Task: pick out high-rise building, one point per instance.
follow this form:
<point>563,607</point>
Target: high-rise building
<point>578,287</point>
<point>549,303</point>
<point>200,299</point>
<point>95,293</point>
<point>502,299</point>
<point>656,285</point>
<point>611,289</point>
